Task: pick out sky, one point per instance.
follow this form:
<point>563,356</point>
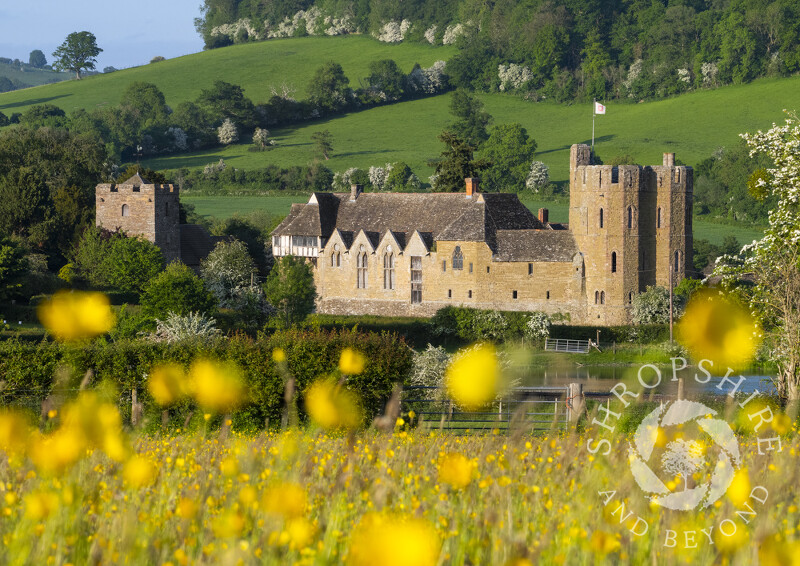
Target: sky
<point>129,33</point>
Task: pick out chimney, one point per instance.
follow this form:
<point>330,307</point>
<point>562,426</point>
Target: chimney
<point>355,190</point>
<point>472,186</point>
<point>669,160</point>
<point>543,215</point>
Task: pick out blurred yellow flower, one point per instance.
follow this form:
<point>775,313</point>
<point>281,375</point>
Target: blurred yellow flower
<point>139,472</point>
<point>301,533</point>
<point>228,524</point>
<point>456,469</point>
<point>287,500</point>
<point>781,423</point>
<point>74,315</point>
<point>604,543</point>
<point>351,362</point>
<point>774,551</point>
<point>186,508</point>
<point>14,432</point>
<point>217,386</point>
<point>739,490</point>
<point>715,327</point>
<point>728,542</point>
<point>40,504</point>
<point>167,383</point>
<point>278,355</point>
<point>473,377</point>
<point>332,406</point>
<point>55,453</point>
<point>391,540</point>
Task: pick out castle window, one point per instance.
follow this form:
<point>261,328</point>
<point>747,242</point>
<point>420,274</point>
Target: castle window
<point>469,294</point>
<point>677,175</point>
<point>513,294</point>
<point>548,295</point>
<point>602,297</point>
<point>613,262</point>
<point>630,217</point>
<point>388,271</point>
<point>416,279</point>
<point>630,298</point>
<point>658,218</point>
<point>444,265</point>
<point>530,269</point>
<point>470,268</point>
<point>597,297</point>
<point>126,210</point>
<point>361,269</point>
<point>601,218</point>
<point>449,293</point>
<point>487,269</point>
<point>458,258</point>
<point>677,261</point>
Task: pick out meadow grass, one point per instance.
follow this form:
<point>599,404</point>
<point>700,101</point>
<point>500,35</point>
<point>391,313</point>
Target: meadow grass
<point>693,126</point>
<point>222,207</point>
<point>254,66</point>
<point>32,77</point>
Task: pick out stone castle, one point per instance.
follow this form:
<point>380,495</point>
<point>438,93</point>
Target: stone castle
<point>412,254</point>
<point>152,211</point>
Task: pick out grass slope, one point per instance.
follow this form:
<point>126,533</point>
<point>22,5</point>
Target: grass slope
<point>222,207</point>
<point>30,76</point>
<point>254,66</point>
<point>692,125</point>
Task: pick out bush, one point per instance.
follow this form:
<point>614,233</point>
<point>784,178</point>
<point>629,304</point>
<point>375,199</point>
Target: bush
<point>131,263</point>
<point>176,290</point>
<point>227,267</point>
<point>192,327</point>
<point>473,325</point>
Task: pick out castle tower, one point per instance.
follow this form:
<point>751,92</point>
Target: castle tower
<point>139,208</point>
<point>619,217</point>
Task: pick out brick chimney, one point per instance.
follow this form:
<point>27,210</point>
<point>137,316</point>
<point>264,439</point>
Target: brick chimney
<point>355,190</point>
<point>472,186</point>
<point>669,160</point>
<point>543,215</point>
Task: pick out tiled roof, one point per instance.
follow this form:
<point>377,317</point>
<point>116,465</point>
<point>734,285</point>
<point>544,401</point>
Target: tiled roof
<point>535,245</point>
<point>196,244</point>
<point>136,179</point>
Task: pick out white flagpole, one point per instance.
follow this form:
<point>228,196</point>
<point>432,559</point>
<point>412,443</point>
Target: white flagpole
<point>594,108</point>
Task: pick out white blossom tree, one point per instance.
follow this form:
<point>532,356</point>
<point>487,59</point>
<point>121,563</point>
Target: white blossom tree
<point>228,267</point>
<point>227,132</point>
<point>538,176</point>
<point>261,138</point>
<point>774,261</point>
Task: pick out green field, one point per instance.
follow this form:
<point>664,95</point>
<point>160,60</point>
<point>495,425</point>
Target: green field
<point>693,126</point>
<point>227,206</point>
<point>31,76</point>
<point>254,66</point>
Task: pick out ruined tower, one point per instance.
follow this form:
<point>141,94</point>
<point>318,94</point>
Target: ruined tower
<point>140,208</point>
<point>632,225</point>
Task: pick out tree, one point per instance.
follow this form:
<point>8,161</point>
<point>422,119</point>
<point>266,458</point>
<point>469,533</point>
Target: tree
<point>290,289</point>
<point>227,267</point>
<point>510,150</point>
<point>79,51</point>
<point>227,132</point>
<point>538,176</point>
<point>13,267</point>
<point>386,77</point>
<point>323,143</point>
<point>652,306</point>
<point>471,119</point>
<point>774,261</point>
<point>261,138</point>
<point>44,116</point>
<point>37,59</point>
<point>328,89</point>
<point>227,101</point>
<point>456,163</point>
<point>176,290</point>
<point>131,263</point>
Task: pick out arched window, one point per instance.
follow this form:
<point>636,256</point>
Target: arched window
<point>333,259</point>
<point>601,218</point>
<point>630,217</point>
<point>677,261</point>
<point>338,259</point>
<point>361,269</point>
<point>613,262</point>
<point>388,269</point>
<point>658,218</point>
<point>597,297</point>
<point>126,210</point>
<point>458,258</point>
<point>602,297</point>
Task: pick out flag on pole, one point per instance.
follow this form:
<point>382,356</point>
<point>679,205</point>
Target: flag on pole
<point>599,108</point>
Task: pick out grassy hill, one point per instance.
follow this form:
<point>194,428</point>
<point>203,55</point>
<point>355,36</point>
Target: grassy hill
<point>31,77</point>
<point>693,126</point>
<point>254,66</point>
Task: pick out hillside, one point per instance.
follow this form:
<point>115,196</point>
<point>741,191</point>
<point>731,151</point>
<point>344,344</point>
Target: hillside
<point>26,76</point>
<point>693,126</point>
<point>255,66</point>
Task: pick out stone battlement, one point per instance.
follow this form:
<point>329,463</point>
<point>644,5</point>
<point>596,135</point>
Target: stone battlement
<point>130,188</point>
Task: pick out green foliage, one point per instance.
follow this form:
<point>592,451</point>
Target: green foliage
<point>290,289</point>
<point>510,151</point>
<point>177,290</point>
<point>456,163</point>
<point>328,89</point>
<point>13,267</point>
<point>652,306</point>
<point>386,77</point>
<point>227,101</point>
<point>37,59</point>
<point>89,257</point>
<point>131,263</point>
<point>227,267</point>
<point>471,118</point>
<point>43,116</point>
<point>474,325</point>
<point>323,143</point>
<point>78,52</point>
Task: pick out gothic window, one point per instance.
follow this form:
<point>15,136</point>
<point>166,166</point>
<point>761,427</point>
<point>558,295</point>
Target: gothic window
<point>601,218</point>
<point>458,258</point>
<point>416,279</point>
<point>361,269</point>
<point>126,210</point>
<point>602,297</point>
<point>388,270</point>
<point>677,261</point>
<point>630,217</point>
<point>336,256</point>
<point>658,218</point>
<point>597,297</point>
<point>613,262</point>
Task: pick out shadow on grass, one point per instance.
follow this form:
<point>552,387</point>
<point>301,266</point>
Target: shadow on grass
<point>32,101</point>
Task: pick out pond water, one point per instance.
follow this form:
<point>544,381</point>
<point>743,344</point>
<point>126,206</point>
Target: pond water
<point>603,378</point>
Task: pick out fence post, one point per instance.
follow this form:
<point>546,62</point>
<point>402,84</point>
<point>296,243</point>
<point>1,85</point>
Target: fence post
<point>680,389</point>
<point>574,402</point>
